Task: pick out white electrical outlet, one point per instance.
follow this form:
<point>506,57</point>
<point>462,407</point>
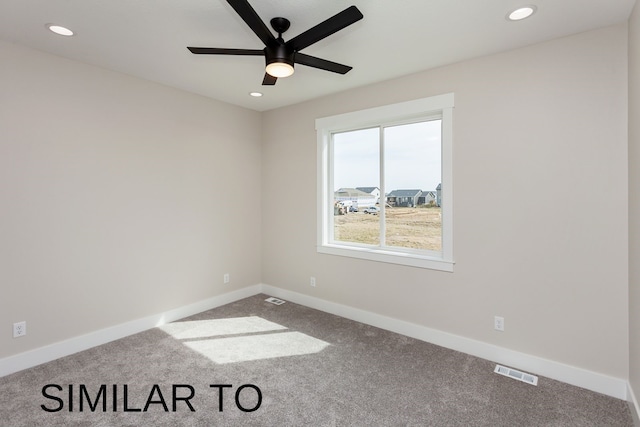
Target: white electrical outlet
<point>312,282</point>
<point>19,329</point>
<point>226,278</point>
<point>498,323</point>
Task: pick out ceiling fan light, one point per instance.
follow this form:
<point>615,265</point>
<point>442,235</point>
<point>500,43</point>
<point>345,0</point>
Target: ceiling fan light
<point>279,69</point>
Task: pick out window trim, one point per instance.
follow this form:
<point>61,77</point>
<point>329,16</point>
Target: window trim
<point>441,105</point>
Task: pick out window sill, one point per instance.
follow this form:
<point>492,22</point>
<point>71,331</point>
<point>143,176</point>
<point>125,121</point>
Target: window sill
<point>388,256</point>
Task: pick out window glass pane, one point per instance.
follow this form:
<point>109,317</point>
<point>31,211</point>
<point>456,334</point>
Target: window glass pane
<point>412,175</point>
<point>356,177</point>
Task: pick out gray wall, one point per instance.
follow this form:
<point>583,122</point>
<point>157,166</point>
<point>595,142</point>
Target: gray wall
<point>634,199</point>
<point>119,198</point>
<point>543,129</point>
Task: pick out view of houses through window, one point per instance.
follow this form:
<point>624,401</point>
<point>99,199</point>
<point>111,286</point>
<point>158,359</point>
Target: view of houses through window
<point>387,185</point>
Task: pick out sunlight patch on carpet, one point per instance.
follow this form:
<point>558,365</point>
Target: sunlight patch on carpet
<point>219,327</point>
<point>257,347</point>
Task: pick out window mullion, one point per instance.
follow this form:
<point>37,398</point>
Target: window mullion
<point>383,192</point>
<point>330,196</point>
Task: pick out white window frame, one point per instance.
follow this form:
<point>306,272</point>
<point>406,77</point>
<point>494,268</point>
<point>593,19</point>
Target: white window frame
<point>440,106</point>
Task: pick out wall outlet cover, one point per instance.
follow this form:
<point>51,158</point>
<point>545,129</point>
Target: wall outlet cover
<point>19,329</point>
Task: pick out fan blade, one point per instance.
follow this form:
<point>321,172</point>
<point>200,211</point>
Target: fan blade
<point>249,15</point>
<point>222,51</point>
<point>326,28</point>
<point>323,64</point>
<point>269,80</point>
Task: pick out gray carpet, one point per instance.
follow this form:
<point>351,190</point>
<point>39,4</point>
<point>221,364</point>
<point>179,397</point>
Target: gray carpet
<point>311,368</point>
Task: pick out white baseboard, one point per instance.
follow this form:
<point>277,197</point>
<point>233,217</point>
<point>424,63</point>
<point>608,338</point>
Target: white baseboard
<point>594,381</point>
<point>634,406</point>
<point>54,351</point>
<point>590,380</point>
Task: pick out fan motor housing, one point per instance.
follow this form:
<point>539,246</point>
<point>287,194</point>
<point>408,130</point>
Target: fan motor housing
<point>279,53</point>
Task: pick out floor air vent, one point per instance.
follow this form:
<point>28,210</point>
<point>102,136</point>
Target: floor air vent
<point>516,375</point>
<point>275,301</point>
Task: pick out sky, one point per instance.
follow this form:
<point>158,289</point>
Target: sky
<point>412,157</point>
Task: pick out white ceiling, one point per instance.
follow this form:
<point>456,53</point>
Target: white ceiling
<point>148,38</point>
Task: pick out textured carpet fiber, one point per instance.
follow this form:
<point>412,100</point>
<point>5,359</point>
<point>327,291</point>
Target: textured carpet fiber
<point>287,365</point>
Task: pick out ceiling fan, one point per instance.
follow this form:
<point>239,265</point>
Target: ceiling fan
<point>280,56</point>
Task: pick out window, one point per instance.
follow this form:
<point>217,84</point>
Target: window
<point>385,183</point>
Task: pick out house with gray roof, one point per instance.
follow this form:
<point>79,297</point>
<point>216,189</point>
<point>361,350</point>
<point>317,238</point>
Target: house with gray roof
<point>375,191</point>
<point>355,197</point>
<point>427,198</point>
<point>404,198</point>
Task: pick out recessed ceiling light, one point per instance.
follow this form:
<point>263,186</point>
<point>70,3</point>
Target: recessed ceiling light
<point>521,13</point>
<point>59,30</point>
<point>256,94</point>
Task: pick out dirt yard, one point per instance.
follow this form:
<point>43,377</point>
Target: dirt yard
<point>418,228</point>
